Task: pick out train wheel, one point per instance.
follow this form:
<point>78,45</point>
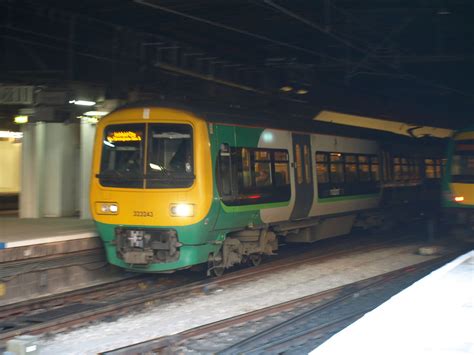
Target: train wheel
<point>255,259</point>
<point>215,265</point>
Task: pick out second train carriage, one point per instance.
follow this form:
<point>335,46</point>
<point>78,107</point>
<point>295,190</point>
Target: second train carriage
<point>458,184</point>
<point>171,189</point>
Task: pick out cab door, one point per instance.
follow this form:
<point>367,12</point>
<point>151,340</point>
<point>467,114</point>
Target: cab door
<point>304,192</point>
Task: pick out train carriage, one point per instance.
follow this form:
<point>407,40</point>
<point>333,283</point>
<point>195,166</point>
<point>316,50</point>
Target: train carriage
<point>171,189</point>
<point>458,184</point>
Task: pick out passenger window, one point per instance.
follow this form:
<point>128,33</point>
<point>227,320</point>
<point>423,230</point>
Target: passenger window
<point>430,171</point>
<point>350,168</point>
<point>282,176</point>
<point>322,167</point>
<point>336,168</point>
<point>374,168</point>
<point>364,170</point>
<point>246,169</point>
<point>337,172</point>
<point>438,168</point>
<point>397,169</point>
<point>263,175</point>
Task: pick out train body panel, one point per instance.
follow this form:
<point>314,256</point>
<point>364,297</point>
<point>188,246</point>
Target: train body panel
<point>170,189</point>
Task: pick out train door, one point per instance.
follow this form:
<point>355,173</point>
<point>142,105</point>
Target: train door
<point>304,193</point>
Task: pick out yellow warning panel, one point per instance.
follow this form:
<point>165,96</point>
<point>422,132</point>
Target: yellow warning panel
<point>3,289</point>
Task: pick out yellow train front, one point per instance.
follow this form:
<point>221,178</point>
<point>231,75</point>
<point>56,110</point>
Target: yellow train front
<point>458,184</point>
<point>151,189</point>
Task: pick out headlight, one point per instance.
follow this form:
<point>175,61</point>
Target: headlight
<point>181,210</point>
<point>453,198</point>
<point>106,208</point>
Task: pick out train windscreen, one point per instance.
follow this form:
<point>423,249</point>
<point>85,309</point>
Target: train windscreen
<point>154,155</point>
<point>462,170</point>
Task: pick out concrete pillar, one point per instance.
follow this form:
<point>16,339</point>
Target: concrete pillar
<point>87,144</point>
<point>32,170</point>
<point>60,169</point>
<point>49,170</point>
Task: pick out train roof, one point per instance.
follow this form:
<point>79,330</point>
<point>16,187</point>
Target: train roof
<point>255,118</point>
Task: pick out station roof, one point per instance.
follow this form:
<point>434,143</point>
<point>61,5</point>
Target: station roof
<point>402,60</point>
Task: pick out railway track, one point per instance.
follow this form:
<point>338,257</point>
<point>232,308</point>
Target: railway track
<point>304,323</point>
<point>61,312</point>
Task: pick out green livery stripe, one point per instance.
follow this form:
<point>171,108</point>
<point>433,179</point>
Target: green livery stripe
<point>247,208</point>
<point>346,198</point>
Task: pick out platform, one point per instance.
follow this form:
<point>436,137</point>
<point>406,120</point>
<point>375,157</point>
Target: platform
<point>15,232</point>
<point>433,316</point>
<point>49,255</point>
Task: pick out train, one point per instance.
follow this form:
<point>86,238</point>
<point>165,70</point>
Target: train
<point>458,184</point>
<point>172,188</point>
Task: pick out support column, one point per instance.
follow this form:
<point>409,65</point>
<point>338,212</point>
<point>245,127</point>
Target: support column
<point>49,170</point>
<point>86,148</point>
<point>32,170</point>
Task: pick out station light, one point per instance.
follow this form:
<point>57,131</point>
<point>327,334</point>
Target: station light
<point>95,113</point>
<point>88,119</point>
<point>20,119</point>
<point>286,88</point>
<point>82,102</point>
<point>9,134</point>
<point>181,210</point>
<point>302,91</point>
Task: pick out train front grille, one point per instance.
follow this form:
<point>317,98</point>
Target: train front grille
<point>142,246</point>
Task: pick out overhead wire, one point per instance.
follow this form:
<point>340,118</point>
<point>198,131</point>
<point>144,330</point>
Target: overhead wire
<point>238,30</point>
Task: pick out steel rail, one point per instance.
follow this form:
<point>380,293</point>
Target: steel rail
<point>162,296</point>
<point>332,297</point>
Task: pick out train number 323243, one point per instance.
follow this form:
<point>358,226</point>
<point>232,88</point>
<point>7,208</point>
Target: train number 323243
<point>142,214</point>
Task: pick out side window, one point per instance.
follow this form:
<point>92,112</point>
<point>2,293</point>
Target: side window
<point>405,170</point>
<point>248,176</point>
<point>245,176</point>
<point>322,167</point>
<point>350,168</point>
<point>263,168</point>
<point>374,168</point>
<point>397,168</point>
<point>224,170</point>
<point>282,171</point>
<point>364,168</point>
<point>416,168</point>
<point>336,168</point>
<point>430,170</point>
<point>345,174</point>
<point>438,168</point>
<point>433,168</point>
